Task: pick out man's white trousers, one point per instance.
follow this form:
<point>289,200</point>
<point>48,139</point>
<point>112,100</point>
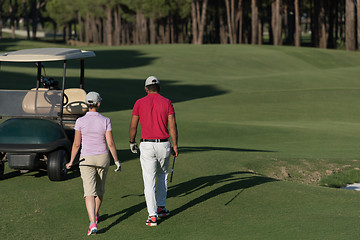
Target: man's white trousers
<point>154,158</point>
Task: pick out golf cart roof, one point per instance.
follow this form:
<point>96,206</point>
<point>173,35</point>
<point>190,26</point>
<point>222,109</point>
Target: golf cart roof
<point>45,55</point>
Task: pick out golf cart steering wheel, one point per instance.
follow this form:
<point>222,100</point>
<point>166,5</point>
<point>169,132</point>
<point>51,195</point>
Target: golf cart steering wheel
<point>52,98</point>
<point>76,106</point>
<point>65,100</point>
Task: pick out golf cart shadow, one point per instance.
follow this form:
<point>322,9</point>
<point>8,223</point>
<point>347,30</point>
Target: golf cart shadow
<point>38,173</point>
<point>74,172</point>
<point>235,182</point>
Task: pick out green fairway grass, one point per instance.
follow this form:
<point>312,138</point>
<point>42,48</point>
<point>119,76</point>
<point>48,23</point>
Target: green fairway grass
<point>262,131</point>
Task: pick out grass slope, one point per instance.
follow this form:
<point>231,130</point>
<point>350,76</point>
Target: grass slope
<point>255,124</point>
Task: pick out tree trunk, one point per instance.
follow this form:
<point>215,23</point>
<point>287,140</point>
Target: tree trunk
<point>104,31</point>
<point>198,20</point>
<point>259,33</point>
<point>230,13</point>
<point>222,29</point>
<point>117,22</point>
<point>1,26</point>
<point>194,22</point>
<point>35,17</point>
<point>350,25</point>
<point>108,26</point>
<point>202,21</point>
<point>66,33</point>
<point>54,32</point>
<point>144,30</point>
<point>152,31</point>
<point>279,21</point>
<point>125,34</point>
<point>358,23</point>
<point>254,21</point>
<point>276,22</point>
<point>99,26</point>
<point>141,28</point>
<point>171,29</point>
<point>337,28</point>
<point>26,19</point>
<point>331,23</point>
<point>87,28</point>
<point>297,24</point>
<point>94,31</point>
<point>230,29</point>
<point>122,34</point>
<point>239,20</point>
<point>322,25</point>
<point>314,25</point>
<point>167,30</point>
<point>80,27</point>
<point>285,25</point>
<point>12,18</point>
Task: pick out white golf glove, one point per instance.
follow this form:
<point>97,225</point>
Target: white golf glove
<point>134,147</point>
<point>118,165</point>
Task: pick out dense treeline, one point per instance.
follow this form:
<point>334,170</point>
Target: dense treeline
<point>326,23</point>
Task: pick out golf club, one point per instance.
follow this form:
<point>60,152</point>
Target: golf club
<point>172,170</point>
<point>79,161</point>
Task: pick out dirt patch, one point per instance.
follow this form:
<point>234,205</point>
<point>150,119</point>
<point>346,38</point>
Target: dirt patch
<point>284,172</point>
<point>307,171</point>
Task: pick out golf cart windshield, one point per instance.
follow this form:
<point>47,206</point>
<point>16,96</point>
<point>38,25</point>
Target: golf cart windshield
<point>30,103</point>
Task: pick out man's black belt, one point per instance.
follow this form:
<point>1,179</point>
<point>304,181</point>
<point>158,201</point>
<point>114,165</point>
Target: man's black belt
<point>154,140</point>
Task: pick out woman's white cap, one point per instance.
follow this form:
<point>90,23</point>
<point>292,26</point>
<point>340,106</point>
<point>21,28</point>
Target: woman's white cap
<point>93,98</point>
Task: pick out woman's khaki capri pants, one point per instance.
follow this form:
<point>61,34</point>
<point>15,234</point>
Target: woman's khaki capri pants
<point>93,173</point>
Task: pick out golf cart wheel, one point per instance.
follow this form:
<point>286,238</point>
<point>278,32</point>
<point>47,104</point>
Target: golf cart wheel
<point>56,165</point>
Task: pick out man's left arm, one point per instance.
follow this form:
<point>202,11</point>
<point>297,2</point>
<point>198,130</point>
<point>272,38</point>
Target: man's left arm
<point>173,133</point>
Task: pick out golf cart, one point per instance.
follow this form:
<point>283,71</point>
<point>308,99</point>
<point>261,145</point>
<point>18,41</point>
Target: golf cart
<point>38,124</point>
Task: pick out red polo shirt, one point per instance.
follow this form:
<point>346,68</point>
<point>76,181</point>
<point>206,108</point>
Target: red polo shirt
<point>153,111</point>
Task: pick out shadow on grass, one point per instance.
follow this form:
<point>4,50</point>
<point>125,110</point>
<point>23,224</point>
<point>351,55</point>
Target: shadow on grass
<point>126,155</point>
<point>121,94</point>
<point>233,181</point>
<point>203,149</point>
<point>229,182</point>
<point>73,173</point>
<point>118,94</point>
<point>11,175</point>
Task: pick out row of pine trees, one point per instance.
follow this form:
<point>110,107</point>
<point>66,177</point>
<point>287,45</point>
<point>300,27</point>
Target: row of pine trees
<point>324,23</point>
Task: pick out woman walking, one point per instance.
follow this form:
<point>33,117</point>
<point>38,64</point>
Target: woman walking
<point>93,132</point>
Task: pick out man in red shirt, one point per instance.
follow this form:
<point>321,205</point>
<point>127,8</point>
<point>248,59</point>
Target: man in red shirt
<point>157,119</point>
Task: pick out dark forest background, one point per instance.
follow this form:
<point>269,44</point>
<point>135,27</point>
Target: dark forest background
<point>317,23</point>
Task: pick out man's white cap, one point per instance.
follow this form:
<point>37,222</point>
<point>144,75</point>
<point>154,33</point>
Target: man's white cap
<point>93,98</point>
<point>151,80</point>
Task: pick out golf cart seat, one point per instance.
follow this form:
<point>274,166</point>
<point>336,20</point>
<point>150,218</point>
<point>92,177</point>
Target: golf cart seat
<point>41,101</point>
<point>75,107</point>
